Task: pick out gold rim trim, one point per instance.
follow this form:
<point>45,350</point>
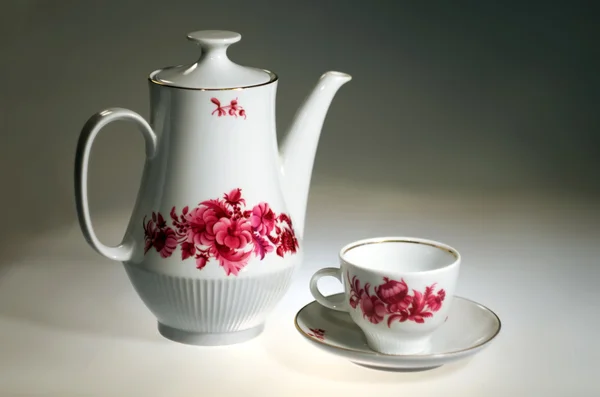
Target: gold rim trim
<point>423,356</point>
<point>382,240</point>
<point>273,78</point>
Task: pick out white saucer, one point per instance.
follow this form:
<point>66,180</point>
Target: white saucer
<point>470,328</point>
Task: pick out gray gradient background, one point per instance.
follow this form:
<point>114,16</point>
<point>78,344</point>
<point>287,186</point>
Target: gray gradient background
<point>468,122</point>
<point>465,97</point>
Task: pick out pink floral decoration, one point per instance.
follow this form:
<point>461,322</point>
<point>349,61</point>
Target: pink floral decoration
<point>263,219</point>
<point>233,109</point>
<point>159,236</point>
<point>317,333</point>
<point>222,229</point>
<point>392,299</point>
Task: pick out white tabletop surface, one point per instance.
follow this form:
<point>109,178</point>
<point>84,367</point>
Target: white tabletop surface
<point>72,325</point>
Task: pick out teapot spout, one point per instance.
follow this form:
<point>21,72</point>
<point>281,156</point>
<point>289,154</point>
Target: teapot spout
<point>300,145</point>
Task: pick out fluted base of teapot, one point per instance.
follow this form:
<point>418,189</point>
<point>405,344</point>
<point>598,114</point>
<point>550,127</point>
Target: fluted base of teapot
<point>210,312</point>
<point>209,339</point>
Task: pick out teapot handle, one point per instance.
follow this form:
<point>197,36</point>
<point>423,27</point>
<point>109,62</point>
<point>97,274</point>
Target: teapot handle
<point>124,251</point>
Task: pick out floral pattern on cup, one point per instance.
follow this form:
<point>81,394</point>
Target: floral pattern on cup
<point>223,229</point>
<point>393,301</point>
<point>317,333</point>
<point>233,109</point>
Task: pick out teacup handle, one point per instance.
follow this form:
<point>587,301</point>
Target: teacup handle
<point>314,289</point>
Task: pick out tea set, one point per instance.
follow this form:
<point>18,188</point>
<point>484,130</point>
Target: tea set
<point>217,229</point>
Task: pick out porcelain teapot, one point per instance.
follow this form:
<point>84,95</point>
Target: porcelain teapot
<point>217,228</point>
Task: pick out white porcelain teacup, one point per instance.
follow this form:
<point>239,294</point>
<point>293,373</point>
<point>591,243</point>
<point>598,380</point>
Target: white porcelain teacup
<point>398,290</point>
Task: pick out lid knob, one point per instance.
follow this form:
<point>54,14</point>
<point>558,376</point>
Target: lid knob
<point>214,42</point>
<point>212,69</point>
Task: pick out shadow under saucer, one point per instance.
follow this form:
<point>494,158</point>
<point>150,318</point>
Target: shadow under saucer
<point>423,369</point>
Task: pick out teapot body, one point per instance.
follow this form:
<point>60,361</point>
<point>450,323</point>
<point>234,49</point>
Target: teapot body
<point>215,247</point>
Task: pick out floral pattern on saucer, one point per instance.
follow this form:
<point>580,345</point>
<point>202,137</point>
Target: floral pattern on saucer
<point>317,333</point>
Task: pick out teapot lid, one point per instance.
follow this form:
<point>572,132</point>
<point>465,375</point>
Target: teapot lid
<point>213,70</point>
